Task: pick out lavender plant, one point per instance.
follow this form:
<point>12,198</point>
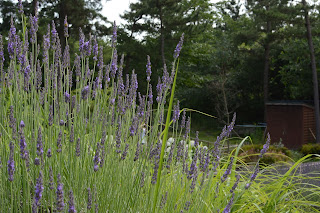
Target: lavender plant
<point>89,132</point>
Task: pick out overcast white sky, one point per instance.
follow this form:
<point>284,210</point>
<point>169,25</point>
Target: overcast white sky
<point>112,9</point>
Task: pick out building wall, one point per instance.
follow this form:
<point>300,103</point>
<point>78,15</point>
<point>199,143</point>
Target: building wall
<point>285,123</point>
<point>308,124</point>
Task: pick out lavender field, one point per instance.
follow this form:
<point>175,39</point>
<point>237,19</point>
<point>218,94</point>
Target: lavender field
<point>77,136</point>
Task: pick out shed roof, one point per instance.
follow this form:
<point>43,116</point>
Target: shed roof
<point>305,103</point>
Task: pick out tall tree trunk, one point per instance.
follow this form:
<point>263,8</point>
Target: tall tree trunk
<point>266,71</point>
<point>62,15</point>
<point>314,72</point>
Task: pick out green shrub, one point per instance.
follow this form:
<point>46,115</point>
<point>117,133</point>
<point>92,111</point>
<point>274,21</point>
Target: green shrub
<point>250,153</point>
<point>310,148</point>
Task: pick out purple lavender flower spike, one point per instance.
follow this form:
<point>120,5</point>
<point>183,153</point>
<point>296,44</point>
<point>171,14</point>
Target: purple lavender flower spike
<point>253,176</point>
<point>1,56</point>
<point>137,153</point>
<point>12,40</point>
<point>97,159</point>
<point>229,205</point>
<point>78,148</point>
<point>20,7</point>
<point>66,34</point>
<point>37,161</point>
<point>196,140</point>
<point>66,97</point>
<point>148,66</point>
<point>89,204</point>
<point>114,35</point>
<point>95,49</point>
<point>33,28</point>
<point>50,120</point>
<point>235,184</point>
<point>59,142</point>
<point>187,128</point>
<point>72,208</point>
<point>183,120</point>
<point>228,170</point>
<point>11,168</point>
<point>178,47</point>
<point>23,146</point>
<point>66,57</point>
<point>59,193</point>
<point>125,152</point>
<point>157,153</point>
<point>163,200</point>
<point>114,64</point>
<point>51,183</point>
<point>159,90</point>
<point>85,92</point>
<point>176,112</point>
<point>49,153</point>
<point>265,146</point>
<point>39,143</point>
<point>38,193</point>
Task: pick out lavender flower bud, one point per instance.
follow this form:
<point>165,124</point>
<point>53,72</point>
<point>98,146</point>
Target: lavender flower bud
<point>178,47</point>
<point>125,152</point>
<point>96,158</point>
<point>114,35</point>
<point>59,193</point>
<point>12,40</point>
<point>137,151</point>
<point>196,141</point>
<point>38,193</point>
<point>49,153</point>
<point>72,208</point>
<point>78,148</point>
<point>183,120</point>
<point>163,200</point>
<point>20,7</point>
<point>51,184</point>
<point>85,92</point>
<point>227,209</point>
<point>148,66</point>
<point>235,184</point>
<point>265,146</point>
<point>37,161</point>
<point>187,128</point>
<point>142,179</point>
<point>39,143</point>
<point>59,142</point>
<point>50,120</point>
<point>228,170</point>
<point>95,49</point>
<point>176,112</point>
<point>114,64</point>
<point>61,123</point>
<point>11,168</point>
<point>23,146</point>
<point>66,34</point>
<point>89,204</point>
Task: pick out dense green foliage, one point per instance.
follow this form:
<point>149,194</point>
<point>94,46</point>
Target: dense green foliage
<point>237,54</point>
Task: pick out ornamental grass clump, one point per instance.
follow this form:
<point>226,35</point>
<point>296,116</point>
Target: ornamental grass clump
<point>80,137</point>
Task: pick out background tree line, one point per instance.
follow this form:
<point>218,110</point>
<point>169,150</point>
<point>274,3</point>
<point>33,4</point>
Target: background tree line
<point>237,55</point>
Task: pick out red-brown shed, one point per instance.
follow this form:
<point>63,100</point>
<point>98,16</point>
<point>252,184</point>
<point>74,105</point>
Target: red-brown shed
<point>291,122</point>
